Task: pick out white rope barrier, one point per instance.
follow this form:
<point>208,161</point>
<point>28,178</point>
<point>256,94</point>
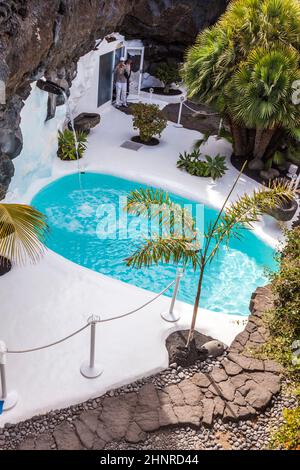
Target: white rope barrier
<point>89,369</point>
<point>50,345</point>
<point>183,102</point>
<point>203,113</point>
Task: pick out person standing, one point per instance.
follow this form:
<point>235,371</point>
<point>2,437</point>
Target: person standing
<point>128,65</point>
<point>121,83</point>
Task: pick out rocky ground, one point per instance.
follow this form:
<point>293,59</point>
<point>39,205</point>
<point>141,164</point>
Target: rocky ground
<point>207,123</point>
<point>75,427</point>
<point>251,434</point>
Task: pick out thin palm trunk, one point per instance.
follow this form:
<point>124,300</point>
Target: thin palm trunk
<point>196,306</point>
<point>205,259</point>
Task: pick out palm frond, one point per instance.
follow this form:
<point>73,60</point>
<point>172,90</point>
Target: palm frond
<point>160,209</point>
<point>22,232</point>
<point>247,210</point>
<point>164,250</point>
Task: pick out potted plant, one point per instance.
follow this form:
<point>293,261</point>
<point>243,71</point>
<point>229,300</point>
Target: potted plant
<point>150,121</point>
<point>67,146</point>
<point>184,247</point>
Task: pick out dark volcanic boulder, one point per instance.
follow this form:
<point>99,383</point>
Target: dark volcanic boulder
<point>85,122</point>
<point>285,212</point>
<point>5,266</point>
<point>11,142</point>
<point>2,192</point>
<point>50,87</point>
<point>7,170</point>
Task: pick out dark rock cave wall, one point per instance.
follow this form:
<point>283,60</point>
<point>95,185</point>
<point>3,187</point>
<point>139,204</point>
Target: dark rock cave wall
<point>168,27</point>
<point>46,38</point>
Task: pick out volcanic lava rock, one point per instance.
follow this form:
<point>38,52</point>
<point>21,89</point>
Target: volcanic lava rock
<point>85,122</point>
<point>5,266</point>
<point>285,211</point>
<point>7,170</point>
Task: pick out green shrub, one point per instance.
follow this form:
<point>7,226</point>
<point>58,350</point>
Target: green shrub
<point>283,321</point>
<point>288,435</point>
<point>293,152</point>
<point>192,163</point>
<point>149,120</point>
<point>66,145</point>
<point>168,74</point>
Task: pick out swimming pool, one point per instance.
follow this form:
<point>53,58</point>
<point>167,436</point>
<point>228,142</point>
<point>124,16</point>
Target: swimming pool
<point>73,216</point>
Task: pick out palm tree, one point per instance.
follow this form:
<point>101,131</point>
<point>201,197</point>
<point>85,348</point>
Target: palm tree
<point>22,232</point>
<point>245,67</point>
<point>178,240</point>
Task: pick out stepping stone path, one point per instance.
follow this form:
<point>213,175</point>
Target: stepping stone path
<point>238,389</point>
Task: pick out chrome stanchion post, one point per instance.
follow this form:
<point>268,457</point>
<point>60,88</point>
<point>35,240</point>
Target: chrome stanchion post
<point>91,369</point>
<point>178,124</point>
<point>10,399</point>
<point>151,94</point>
<point>172,316</point>
<point>220,127</point>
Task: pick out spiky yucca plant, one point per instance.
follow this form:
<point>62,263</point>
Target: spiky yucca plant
<point>180,243</point>
<point>245,67</point>
<point>22,232</point>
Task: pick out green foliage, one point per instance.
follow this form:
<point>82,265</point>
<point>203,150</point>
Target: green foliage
<point>277,159</point>
<point>261,90</point>
<point>248,61</point>
<point>283,321</point>
<point>245,67</point>
<point>192,163</point>
<point>23,230</point>
<point>216,166</point>
<point>149,120</point>
<point>168,74</point>
<point>66,145</point>
<point>292,152</point>
<point>288,435</point>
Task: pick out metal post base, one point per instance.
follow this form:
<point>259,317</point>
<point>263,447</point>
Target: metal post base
<point>91,372</point>
<point>180,126</point>
<point>10,401</point>
<point>170,317</point>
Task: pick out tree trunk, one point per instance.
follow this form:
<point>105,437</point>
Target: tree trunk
<point>275,143</point>
<point>250,142</point>
<point>262,140</point>
<point>239,135</point>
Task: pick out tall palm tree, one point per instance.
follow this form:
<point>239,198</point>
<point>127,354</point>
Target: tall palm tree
<point>179,242</point>
<point>22,232</point>
<point>245,67</point>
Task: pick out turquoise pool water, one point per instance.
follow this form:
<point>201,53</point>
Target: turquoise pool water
<point>74,217</point>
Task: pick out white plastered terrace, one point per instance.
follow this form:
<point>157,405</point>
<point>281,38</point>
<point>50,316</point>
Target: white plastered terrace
<point>42,303</point>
